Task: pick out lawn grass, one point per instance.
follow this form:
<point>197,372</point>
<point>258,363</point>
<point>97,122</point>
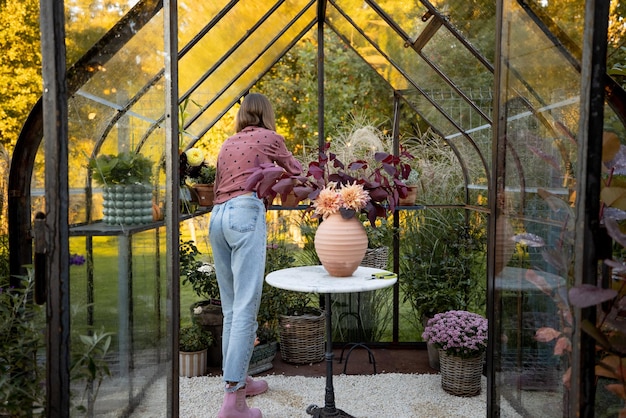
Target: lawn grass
<point>149,290</point>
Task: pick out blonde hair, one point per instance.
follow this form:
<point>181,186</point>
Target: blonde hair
<point>256,110</point>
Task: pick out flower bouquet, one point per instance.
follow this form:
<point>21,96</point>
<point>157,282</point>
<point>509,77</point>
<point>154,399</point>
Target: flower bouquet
<point>347,200</point>
<point>457,333</point>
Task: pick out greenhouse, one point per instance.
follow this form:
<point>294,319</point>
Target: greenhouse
<point>496,131</point>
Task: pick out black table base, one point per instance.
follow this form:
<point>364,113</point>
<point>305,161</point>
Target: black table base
<point>318,412</point>
<point>329,409</point>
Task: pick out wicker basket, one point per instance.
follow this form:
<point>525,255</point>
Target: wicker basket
<point>460,376</point>
<point>302,337</point>
<point>376,257</point>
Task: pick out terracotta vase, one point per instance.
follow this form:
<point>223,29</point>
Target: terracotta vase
<point>340,244</point>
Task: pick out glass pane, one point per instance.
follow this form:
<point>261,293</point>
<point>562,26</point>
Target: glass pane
<point>118,285</point>
<point>537,149</point>
<point>213,85</point>
<point>87,21</point>
<point>439,102</point>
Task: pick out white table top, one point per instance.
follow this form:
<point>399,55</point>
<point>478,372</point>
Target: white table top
<point>317,280</point>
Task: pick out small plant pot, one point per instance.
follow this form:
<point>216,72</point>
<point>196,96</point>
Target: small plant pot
<point>203,194</point>
<point>211,319</point>
<point>410,198</point>
<point>192,364</point>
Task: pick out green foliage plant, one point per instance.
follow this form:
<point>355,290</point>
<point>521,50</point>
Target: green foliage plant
<point>90,366</point>
<point>194,338</point>
<point>380,234</point>
<point>22,325</point>
<point>124,168</point>
<point>206,175</point>
<point>438,261</point>
<point>199,274</point>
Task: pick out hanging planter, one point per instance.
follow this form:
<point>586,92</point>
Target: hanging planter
<point>340,244</point>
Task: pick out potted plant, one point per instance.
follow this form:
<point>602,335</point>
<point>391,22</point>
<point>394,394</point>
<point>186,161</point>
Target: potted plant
<point>439,266</point>
<point>461,338</point>
<point>127,191</point>
<point>411,182</point>
<point>193,343</point>
<point>199,175</point>
<point>207,312</point>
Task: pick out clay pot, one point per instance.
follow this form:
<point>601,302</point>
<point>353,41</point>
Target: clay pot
<point>410,198</point>
<point>204,194</point>
<point>340,244</point>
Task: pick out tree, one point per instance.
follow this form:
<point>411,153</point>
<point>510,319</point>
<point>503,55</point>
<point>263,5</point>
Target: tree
<point>20,68</point>
<point>351,88</point>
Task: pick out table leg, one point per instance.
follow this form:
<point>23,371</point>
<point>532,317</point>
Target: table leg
<point>329,409</point>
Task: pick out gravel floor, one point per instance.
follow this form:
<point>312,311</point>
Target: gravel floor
<point>385,395</point>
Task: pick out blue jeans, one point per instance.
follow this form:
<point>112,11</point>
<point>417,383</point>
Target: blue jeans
<point>238,235</point>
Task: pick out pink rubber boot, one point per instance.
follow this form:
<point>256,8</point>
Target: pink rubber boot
<point>234,406</point>
<point>255,387</point>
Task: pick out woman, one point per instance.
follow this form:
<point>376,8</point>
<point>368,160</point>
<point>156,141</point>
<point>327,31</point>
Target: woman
<point>238,238</point>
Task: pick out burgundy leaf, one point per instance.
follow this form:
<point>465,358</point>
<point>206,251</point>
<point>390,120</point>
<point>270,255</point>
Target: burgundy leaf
<point>283,186</point>
<point>586,295</point>
<point>546,334</point>
<point>616,266</point>
<point>390,169</point>
<point>538,281</point>
<point>382,156</point>
<point>316,172</point>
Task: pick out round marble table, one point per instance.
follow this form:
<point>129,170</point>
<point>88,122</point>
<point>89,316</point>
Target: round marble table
<point>315,279</point>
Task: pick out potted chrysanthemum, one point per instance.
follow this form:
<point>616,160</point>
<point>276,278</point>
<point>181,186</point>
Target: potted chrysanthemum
<point>461,338</point>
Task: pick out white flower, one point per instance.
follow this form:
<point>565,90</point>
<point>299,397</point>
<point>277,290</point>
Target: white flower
<point>207,268</point>
<point>197,310</point>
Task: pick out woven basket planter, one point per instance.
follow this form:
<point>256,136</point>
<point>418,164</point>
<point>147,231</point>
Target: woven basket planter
<point>302,337</point>
<point>460,376</point>
<point>376,257</point>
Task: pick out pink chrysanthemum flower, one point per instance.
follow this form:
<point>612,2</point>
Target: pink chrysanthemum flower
<point>458,333</point>
<point>354,196</point>
<point>328,201</point>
